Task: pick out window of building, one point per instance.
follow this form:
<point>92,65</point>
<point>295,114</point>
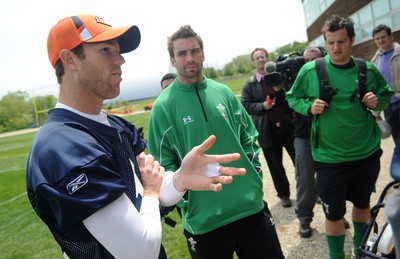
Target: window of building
<point>356,21</point>
<point>395,4</point>
<point>314,8</point>
<point>365,20</point>
<point>396,19</point>
<point>380,8</point>
<point>377,12</point>
<point>365,15</point>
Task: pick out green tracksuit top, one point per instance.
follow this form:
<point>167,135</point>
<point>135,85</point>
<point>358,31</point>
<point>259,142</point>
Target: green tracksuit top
<point>346,131</point>
<point>182,117</point>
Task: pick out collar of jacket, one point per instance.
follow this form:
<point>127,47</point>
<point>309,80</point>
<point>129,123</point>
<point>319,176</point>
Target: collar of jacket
<point>191,87</point>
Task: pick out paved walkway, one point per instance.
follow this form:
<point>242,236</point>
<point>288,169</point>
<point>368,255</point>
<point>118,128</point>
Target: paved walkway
<point>17,132</point>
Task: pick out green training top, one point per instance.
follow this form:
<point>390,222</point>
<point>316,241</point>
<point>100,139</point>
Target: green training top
<point>346,131</point>
<point>182,117</point>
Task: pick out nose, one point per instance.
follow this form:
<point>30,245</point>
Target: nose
<point>189,57</point>
<point>120,59</point>
<point>335,45</point>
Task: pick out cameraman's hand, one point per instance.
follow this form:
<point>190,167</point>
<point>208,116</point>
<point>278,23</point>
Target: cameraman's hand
<point>370,100</point>
<point>268,106</point>
<point>318,106</point>
<point>277,88</point>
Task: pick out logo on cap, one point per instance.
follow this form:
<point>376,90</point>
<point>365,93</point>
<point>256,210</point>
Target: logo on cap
<point>101,20</point>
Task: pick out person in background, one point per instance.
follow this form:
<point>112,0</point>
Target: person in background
<point>167,79</point>
<point>345,138</point>
<point>87,176</point>
<point>387,60</point>
<point>275,127</point>
<point>192,107</point>
<point>304,165</point>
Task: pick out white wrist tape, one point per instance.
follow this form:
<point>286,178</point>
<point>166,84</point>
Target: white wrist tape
<point>213,170</point>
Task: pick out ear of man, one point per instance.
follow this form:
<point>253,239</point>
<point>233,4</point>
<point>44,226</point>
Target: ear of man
<point>68,58</point>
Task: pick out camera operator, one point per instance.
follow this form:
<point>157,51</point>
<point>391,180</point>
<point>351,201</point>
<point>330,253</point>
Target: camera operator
<point>264,99</point>
<point>304,169</point>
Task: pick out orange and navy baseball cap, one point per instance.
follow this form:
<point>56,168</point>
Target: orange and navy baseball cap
<point>72,31</point>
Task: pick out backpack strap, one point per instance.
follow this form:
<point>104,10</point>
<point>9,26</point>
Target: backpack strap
<point>323,83</point>
<point>362,78</point>
<point>321,71</point>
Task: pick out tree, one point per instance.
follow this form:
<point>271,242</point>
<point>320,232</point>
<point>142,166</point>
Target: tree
<point>229,69</point>
<point>14,111</point>
<point>243,64</point>
<point>295,47</point>
<point>210,72</point>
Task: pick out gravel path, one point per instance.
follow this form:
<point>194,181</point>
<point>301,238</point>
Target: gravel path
<point>286,221</point>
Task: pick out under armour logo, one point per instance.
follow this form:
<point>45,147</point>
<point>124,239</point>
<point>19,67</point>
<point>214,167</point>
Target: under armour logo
<point>187,120</point>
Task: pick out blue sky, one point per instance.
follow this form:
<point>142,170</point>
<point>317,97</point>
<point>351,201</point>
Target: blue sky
<point>228,29</point>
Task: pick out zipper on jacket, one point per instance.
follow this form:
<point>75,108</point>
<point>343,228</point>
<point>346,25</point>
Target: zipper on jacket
<point>196,86</point>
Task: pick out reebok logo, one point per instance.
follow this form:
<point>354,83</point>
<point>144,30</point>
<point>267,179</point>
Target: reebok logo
<point>77,183</point>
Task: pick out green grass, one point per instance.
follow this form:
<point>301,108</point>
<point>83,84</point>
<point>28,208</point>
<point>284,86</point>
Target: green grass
<point>23,234</point>
<point>236,83</point>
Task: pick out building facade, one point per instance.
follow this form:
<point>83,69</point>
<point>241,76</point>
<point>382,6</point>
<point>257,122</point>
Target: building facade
<point>366,14</point>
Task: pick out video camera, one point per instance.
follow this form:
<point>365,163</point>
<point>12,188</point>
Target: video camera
<point>288,65</point>
<point>274,79</point>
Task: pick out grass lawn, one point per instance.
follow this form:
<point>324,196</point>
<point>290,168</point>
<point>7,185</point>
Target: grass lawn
<point>22,234</point>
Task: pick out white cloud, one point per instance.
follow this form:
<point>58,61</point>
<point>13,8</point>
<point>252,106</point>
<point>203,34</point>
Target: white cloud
<point>228,29</point>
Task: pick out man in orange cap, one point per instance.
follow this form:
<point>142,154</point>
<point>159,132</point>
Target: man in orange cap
<point>87,176</point>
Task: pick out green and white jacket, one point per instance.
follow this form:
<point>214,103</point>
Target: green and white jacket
<point>182,117</point>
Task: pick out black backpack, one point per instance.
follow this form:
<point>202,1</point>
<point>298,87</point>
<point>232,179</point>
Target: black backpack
<point>326,92</point>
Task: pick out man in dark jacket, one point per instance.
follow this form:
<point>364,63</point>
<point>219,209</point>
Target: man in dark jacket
<point>265,101</point>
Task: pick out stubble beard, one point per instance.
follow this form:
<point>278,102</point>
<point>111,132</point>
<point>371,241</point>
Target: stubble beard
<point>93,83</point>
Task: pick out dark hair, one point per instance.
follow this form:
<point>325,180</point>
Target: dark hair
<point>336,23</point>
<point>60,66</point>
<point>183,33</point>
<point>167,76</point>
<point>257,49</point>
<point>381,27</point>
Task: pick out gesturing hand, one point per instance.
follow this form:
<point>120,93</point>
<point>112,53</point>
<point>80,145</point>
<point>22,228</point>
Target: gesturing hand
<point>192,173</point>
